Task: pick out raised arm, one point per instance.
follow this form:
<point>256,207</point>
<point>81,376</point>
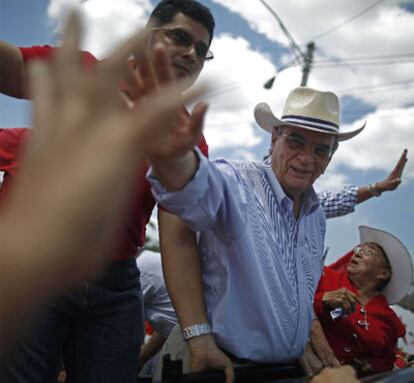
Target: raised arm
<point>390,183</point>
<point>343,202</point>
<point>46,207</point>
<point>174,162</point>
<point>12,71</point>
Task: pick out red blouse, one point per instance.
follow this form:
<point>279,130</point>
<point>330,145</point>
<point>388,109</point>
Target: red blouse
<point>349,336</point>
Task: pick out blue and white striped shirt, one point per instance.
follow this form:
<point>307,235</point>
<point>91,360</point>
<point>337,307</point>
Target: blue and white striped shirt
<point>260,265</point>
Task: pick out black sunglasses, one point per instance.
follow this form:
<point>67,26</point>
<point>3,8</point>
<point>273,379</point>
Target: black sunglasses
<point>182,38</point>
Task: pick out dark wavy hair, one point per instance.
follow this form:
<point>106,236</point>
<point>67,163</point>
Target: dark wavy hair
<point>166,10</point>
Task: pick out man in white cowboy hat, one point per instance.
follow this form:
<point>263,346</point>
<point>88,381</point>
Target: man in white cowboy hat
<point>261,236</point>
<point>353,297</point>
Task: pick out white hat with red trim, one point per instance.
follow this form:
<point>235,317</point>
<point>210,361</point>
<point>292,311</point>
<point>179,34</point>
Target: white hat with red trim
<point>306,108</point>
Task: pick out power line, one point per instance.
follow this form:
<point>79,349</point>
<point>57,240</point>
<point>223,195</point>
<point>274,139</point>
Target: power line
<point>340,25</point>
<point>384,87</point>
<point>372,91</point>
<point>292,43</point>
<point>376,86</point>
<point>305,58</point>
<point>361,63</point>
<point>346,113</point>
<point>223,89</point>
<point>367,58</point>
<point>229,87</point>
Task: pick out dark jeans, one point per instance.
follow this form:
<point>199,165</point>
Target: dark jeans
<point>96,331</point>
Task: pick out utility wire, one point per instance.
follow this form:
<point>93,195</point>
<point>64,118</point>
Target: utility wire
<point>361,63</point>
<point>293,46</point>
<point>367,58</point>
<point>376,86</point>
<point>347,114</point>
<point>340,25</point>
<point>232,86</point>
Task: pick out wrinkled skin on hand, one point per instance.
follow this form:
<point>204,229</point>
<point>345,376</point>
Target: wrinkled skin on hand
<point>206,355</point>
<point>341,298</point>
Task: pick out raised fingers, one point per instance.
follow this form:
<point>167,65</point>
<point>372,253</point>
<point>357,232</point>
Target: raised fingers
<point>67,59</point>
<point>156,115</point>
<point>162,65</point>
<point>145,73</point>
<point>42,95</point>
<point>135,47</point>
<point>401,164</point>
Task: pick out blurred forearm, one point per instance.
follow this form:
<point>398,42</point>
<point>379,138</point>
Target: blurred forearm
<point>174,173</point>
<point>181,265</point>
<point>12,71</point>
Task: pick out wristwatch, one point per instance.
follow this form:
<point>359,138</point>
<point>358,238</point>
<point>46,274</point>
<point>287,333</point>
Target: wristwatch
<point>373,189</point>
<point>196,330</point>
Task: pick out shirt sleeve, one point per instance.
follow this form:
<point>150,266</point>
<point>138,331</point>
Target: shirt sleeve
<point>337,204</point>
<point>387,359</point>
<point>46,52</point>
<point>320,291</point>
<point>203,146</point>
<point>9,148</point>
<point>210,200</point>
<point>392,330</point>
<point>203,149</point>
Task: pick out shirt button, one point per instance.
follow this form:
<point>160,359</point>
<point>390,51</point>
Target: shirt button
<point>362,310</point>
<point>354,336</point>
<point>361,322</point>
<point>347,349</point>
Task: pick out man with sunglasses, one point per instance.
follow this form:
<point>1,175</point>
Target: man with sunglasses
<point>262,235</point>
<point>98,329</point>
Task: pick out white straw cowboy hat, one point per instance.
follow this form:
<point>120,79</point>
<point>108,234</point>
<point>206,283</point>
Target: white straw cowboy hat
<point>309,109</point>
<point>399,258</point>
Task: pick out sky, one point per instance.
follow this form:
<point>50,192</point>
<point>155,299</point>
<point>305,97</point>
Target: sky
<point>364,53</point>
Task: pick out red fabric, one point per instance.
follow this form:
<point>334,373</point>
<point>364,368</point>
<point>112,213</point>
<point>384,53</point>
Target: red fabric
<point>132,233</point>
<point>401,360</point>
<point>341,263</point>
<point>148,328</point>
<point>378,344</point>
<point>11,140</point>
<point>46,52</point>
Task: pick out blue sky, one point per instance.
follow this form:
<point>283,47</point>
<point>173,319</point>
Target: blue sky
<point>249,47</point>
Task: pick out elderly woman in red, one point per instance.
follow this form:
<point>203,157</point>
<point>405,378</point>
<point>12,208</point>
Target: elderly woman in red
<point>353,297</point>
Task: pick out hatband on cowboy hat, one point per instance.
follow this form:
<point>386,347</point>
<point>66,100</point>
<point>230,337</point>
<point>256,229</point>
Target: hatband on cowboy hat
<point>309,109</point>
<point>399,258</point>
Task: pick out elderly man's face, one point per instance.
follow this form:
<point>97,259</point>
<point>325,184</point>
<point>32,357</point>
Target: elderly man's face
<point>369,261</point>
<point>187,61</point>
<point>299,157</point>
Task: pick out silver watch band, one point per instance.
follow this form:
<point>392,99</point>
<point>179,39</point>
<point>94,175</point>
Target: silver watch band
<point>373,189</point>
<point>196,330</point>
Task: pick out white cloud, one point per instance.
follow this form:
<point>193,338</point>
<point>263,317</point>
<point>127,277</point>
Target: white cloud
<point>106,22</point>
<point>381,143</point>
<point>384,30</point>
<point>240,70</point>
<point>407,318</point>
<point>230,121</point>
<point>331,181</point>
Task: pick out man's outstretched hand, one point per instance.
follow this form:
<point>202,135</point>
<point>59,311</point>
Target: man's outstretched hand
<point>394,178</point>
<point>205,355</point>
